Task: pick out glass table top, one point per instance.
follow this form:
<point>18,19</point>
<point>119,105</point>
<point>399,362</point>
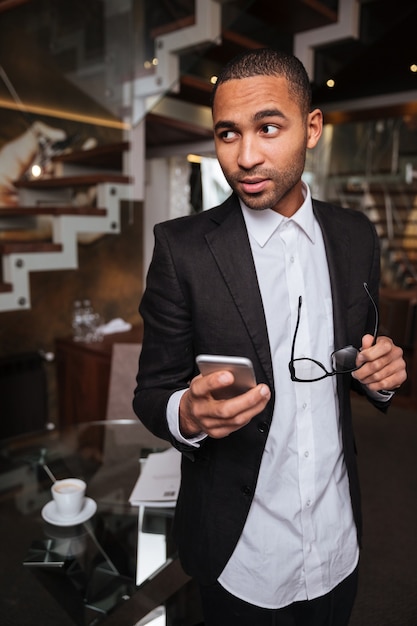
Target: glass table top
<point>99,569</point>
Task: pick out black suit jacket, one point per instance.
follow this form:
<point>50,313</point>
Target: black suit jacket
<point>202,296</point>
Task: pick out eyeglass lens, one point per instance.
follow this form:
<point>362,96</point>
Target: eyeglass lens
<point>344,360</point>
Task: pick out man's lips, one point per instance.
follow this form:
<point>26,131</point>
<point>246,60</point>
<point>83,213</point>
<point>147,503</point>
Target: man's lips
<point>253,185</point>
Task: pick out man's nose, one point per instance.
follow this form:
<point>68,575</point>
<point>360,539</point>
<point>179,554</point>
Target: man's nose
<point>250,154</point>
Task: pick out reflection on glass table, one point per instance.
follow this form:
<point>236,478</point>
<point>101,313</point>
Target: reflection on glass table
<point>87,570</point>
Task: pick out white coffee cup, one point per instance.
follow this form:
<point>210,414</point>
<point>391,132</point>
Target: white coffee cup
<point>68,495</point>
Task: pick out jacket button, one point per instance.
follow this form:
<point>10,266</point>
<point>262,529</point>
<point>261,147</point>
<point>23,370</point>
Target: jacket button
<point>246,490</point>
<point>263,427</point>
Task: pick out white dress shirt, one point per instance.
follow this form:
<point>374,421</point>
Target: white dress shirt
<point>299,540</point>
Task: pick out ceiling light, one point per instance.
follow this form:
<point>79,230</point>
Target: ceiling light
<point>213,80</point>
<point>413,67</point>
<point>194,158</point>
<point>149,64</point>
<point>330,83</point>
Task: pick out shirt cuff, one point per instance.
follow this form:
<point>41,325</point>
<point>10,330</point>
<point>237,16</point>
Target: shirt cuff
<point>382,396</point>
<point>173,414</point>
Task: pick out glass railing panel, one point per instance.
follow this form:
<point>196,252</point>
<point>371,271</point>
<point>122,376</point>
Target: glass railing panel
<point>61,74</point>
<point>77,60</point>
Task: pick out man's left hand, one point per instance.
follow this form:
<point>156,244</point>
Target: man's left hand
<point>382,364</point>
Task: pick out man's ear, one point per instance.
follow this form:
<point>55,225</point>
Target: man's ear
<point>314,127</point>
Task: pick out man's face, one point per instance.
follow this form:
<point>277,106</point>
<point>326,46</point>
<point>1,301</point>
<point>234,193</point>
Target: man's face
<point>261,137</point>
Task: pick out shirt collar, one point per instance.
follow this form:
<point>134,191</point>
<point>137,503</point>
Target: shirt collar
<point>262,224</point>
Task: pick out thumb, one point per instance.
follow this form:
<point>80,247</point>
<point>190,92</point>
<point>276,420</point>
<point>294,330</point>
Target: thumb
<point>367,342</point>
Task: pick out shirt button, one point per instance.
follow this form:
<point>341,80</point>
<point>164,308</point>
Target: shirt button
<point>304,405</point>
<point>291,259</point>
<point>246,490</point>
<point>306,454</point>
<point>308,503</point>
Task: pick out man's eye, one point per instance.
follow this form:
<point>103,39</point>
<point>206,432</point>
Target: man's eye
<point>269,129</point>
<point>228,135</point>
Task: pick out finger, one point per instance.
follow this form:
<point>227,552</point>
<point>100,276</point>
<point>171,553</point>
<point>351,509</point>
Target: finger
<point>390,381</point>
<point>219,418</point>
<point>370,351</point>
<point>385,372</point>
<point>204,385</point>
<point>364,354</point>
<point>367,342</point>
<point>239,408</point>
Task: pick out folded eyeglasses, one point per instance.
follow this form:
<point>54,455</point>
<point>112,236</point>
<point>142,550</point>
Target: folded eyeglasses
<point>307,370</point>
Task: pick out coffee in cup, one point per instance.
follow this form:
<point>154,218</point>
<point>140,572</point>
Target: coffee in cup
<point>68,495</point>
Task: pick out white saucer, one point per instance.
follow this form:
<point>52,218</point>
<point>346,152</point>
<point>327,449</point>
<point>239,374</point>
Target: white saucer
<point>50,514</point>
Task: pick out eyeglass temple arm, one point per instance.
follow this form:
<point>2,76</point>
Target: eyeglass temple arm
<point>291,363</point>
<point>365,285</point>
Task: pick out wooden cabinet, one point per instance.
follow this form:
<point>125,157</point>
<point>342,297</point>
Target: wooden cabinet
<point>83,373</point>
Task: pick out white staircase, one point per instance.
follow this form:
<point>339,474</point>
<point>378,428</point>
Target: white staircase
<point>50,200</point>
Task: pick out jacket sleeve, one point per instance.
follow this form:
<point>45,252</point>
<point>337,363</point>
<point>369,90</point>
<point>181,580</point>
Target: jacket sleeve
<point>373,285</point>
<point>166,362</point>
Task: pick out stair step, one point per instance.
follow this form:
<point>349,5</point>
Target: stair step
<point>25,211</point>
<point>399,255</point>
<point>377,189</point>
<point>403,210</point>
<point>72,181</point>
<point>106,156</point>
<point>5,287</point>
<point>400,237</point>
<point>378,195</point>
<point>404,243</point>
<point>16,247</point>
<point>382,220</point>
<point>401,203</point>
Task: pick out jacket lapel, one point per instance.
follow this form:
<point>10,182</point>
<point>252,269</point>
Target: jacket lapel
<point>230,247</point>
<point>338,251</point>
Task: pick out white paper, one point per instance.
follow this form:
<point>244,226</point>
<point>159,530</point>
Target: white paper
<point>117,325</point>
<point>159,480</point>
<point>151,551</point>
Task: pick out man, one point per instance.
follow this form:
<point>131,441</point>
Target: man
<point>268,516</point>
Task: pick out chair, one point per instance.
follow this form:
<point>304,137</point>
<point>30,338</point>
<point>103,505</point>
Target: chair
<point>123,370</point>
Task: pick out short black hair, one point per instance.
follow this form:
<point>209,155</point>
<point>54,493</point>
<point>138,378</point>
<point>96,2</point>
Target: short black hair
<point>269,62</point>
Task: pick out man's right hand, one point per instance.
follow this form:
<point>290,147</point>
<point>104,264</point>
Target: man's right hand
<point>201,413</point>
